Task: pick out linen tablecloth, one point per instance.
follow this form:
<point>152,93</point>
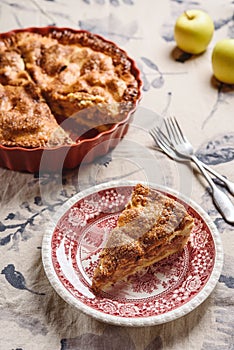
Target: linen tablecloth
<point>32,315</point>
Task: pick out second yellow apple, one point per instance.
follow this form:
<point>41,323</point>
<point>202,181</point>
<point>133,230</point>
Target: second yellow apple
<point>223,60</point>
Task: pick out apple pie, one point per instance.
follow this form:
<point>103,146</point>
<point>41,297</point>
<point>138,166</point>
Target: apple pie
<point>58,74</point>
<point>150,228</point>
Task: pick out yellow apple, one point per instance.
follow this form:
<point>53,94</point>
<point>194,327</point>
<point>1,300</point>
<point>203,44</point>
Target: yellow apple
<point>193,31</point>
<point>223,61</point>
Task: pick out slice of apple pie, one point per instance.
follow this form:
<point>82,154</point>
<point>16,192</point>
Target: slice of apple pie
<point>150,228</point>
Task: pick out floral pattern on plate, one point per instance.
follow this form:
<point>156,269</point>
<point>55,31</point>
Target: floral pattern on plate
<point>165,287</point>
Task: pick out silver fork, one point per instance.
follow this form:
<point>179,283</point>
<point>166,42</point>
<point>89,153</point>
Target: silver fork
<point>184,149</point>
<point>165,144</point>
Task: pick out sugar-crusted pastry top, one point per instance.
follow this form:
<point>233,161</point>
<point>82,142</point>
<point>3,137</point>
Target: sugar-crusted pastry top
<point>26,120</point>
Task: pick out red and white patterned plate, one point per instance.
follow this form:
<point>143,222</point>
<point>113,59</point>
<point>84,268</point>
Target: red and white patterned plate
<point>158,294</point>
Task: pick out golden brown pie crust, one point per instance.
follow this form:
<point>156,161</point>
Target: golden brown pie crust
<point>26,120</point>
<point>71,71</point>
<point>150,228</point>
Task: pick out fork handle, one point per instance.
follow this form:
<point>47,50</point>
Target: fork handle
<point>224,205</point>
<point>221,200</point>
<point>229,184</point>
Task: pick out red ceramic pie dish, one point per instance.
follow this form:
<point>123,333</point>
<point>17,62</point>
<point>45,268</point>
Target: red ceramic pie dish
<point>88,147</point>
